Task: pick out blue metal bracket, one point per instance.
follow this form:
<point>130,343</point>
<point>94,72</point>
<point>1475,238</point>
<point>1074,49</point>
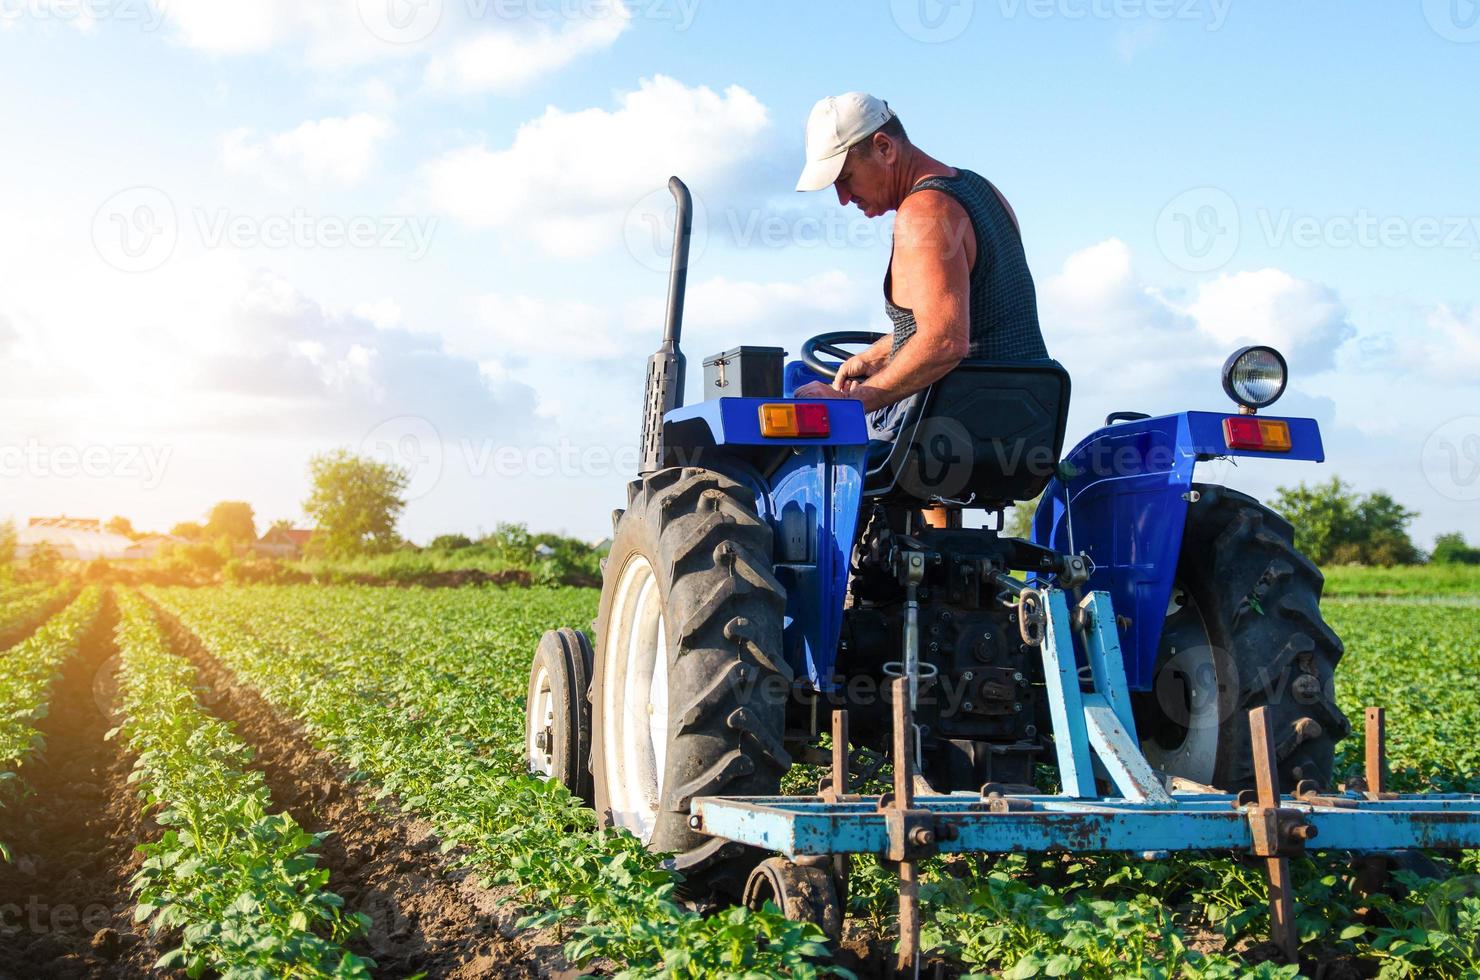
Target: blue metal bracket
<point>807,825</point>
<point>1095,724</point>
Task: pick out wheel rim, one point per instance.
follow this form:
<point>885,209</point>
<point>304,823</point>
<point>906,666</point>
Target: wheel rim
<point>539,724</point>
<point>1184,741</point>
<point>634,695</point>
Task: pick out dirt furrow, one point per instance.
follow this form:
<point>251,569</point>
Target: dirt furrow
<point>65,909</point>
<point>425,916</point>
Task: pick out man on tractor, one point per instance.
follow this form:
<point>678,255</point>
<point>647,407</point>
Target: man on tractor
<point>958,283</point>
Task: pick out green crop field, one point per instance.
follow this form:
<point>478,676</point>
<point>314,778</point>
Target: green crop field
<point>315,781</point>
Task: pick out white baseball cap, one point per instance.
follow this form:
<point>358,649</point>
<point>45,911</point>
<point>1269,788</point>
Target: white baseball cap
<point>836,124</point>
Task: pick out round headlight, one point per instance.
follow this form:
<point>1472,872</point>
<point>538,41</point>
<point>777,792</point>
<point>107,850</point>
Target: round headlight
<point>1255,376</point>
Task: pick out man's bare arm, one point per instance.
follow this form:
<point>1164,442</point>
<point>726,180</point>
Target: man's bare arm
<point>932,277</point>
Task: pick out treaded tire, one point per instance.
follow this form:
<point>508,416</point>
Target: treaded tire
<point>564,656</point>
<point>727,680</point>
<point>1259,600</point>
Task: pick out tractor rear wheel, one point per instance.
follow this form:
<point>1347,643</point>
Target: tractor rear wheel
<point>690,686</point>
<point>1243,630</point>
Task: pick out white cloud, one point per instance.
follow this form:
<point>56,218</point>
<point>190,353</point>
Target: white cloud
<point>1128,345</point>
<point>342,150</point>
<point>526,326</point>
<point>466,54</point>
<point>240,28</point>
<point>498,61</point>
<point>1304,320</point>
<point>1451,350</point>
<point>569,178</point>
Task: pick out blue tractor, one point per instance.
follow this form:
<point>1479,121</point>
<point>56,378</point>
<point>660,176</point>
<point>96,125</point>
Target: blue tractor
<point>771,565</point>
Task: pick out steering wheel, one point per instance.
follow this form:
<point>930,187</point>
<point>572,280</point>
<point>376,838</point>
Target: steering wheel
<point>832,345</point>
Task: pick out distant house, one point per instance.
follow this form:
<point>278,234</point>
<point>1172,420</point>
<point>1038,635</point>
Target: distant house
<point>283,542</point>
<point>72,538</point>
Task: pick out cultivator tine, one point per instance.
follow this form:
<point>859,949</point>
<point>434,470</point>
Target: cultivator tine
<point>909,920</point>
<point>1282,928</point>
<point>1376,753</point>
<point>840,752</point>
<point>841,863</point>
<point>908,963</point>
<point>1372,869</point>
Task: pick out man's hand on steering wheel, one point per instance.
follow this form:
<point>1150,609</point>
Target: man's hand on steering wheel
<point>854,370</point>
<point>848,372</point>
<point>820,389</point>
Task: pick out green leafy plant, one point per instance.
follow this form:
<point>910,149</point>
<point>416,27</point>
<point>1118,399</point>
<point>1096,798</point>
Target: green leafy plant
<point>28,672</point>
<point>238,884</point>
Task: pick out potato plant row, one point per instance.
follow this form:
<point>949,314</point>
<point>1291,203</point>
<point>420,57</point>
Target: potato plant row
<point>238,884</point>
<point>27,672</point>
<point>422,694</point>
<point>23,607</point>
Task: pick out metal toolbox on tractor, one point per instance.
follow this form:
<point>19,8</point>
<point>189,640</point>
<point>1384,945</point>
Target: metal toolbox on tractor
<point>744,372</point>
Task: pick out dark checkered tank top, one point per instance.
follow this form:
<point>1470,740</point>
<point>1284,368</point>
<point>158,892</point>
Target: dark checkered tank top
<point>1004,306</point>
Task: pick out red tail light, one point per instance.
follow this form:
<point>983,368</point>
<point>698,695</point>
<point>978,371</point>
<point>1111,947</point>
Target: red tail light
<point>1260,435</point>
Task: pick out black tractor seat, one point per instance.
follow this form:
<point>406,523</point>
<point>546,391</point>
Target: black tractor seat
<point>986,435</point>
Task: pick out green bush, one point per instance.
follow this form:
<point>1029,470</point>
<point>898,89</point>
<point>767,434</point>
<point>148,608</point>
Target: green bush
<point>1451,549</point>
<point>1337,526</point>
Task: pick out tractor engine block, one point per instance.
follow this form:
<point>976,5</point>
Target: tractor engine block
<point>980,705</point>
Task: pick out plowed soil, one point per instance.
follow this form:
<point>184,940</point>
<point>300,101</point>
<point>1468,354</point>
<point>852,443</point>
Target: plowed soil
<point>64,900</point>
<point>424,916</point>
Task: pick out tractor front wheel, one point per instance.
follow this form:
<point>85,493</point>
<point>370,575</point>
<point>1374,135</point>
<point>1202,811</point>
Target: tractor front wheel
<point>690,686</point>
<point>1243,630</point>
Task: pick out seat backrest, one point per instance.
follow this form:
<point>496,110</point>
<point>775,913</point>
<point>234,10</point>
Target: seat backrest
<point>986,435</point>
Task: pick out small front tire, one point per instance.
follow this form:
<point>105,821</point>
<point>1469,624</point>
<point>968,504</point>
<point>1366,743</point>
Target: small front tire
<point>557,712</point>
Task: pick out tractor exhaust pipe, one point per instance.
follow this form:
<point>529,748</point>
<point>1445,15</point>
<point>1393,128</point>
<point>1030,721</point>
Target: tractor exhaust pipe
<point>665,373</point>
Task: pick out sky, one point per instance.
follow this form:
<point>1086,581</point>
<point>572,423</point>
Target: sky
<point>236,234</point>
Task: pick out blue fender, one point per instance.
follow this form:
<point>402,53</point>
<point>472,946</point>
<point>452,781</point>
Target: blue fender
<point>808,489</point>
<point>1121,498</point>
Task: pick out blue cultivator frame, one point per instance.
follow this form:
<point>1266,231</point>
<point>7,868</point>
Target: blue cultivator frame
<point>1095,739</point>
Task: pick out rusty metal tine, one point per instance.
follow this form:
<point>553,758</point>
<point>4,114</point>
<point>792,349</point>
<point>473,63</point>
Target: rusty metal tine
<point>1282,908</point>
<point>840,752</point>
<point>1266,771</point>
<point>904,745</point>
<point>841,863</point>
<point>908,963</point>
<point>1376,752</point>
<point>1276,869</point>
